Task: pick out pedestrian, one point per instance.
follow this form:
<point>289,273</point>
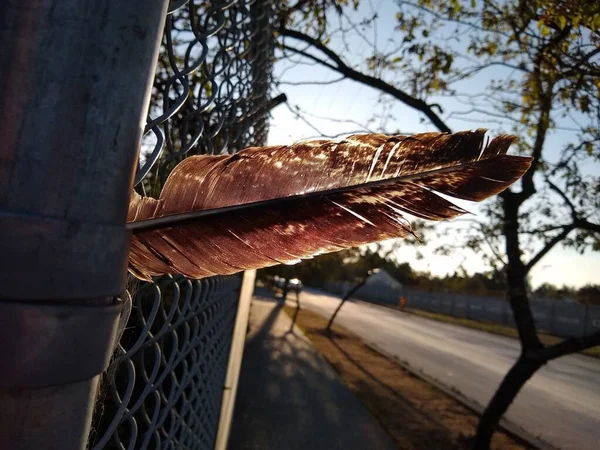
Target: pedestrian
<point>403,302</point>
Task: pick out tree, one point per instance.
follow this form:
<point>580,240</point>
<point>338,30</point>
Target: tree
<point>548,290</point>
<point>369,264</point>
<point>349,294</point>
<point>589,294</point>
<point>539,63</point>
<point>319,270</point>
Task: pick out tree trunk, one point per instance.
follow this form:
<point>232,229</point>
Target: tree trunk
<point>285,288</point>
<point>530,360</point>
<point>514,380</point>
<point>346,297</point>
<point>516,275</point>
<point>335,313</point>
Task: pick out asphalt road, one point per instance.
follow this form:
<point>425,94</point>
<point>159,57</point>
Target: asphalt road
<point>560,404</point>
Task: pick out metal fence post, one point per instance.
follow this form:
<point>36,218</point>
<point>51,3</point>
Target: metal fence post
<point>553,317</point>
<point>75,80</point>
<point>234,364</point>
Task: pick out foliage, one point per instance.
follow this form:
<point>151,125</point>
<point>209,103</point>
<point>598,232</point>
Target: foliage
<point>316,271</point>
<point>536,67</point>
<point>352,264</point>
<point>587,295</point>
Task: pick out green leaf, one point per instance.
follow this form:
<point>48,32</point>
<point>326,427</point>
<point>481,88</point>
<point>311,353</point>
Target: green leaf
<point>595,22</point>
<point>589,148</point>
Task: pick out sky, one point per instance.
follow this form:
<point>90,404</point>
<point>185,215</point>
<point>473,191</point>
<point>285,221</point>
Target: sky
<point>345,107</point>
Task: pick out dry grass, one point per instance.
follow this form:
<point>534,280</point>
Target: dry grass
<point>414,413</point>
<point>490,327</point>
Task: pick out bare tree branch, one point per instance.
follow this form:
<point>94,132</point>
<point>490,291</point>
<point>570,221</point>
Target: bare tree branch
<point>361,126</point>
<point>338,65</point>
<point>582,224</point>
<point>578,221</point>
<point>562,195</point>
<point>307,83</point>
<point>493,249</point>
<point>300,115</point>
<point>306,121</point>
<point>571,345</point>
<point>545,108</point>
<point>312,57</point>
<point>545,229</point>
<point>549,246</point>
<point>274,102</point>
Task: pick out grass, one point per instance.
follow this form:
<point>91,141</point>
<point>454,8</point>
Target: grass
<point>414,413</point>
<point>490,327</point>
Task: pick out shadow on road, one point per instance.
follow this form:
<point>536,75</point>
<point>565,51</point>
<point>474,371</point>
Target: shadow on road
<point>290,398</point>
<point>409,409</point>
<point>412,416</point>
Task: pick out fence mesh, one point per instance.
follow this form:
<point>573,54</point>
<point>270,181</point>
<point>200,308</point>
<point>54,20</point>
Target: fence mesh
<point>210,96</point>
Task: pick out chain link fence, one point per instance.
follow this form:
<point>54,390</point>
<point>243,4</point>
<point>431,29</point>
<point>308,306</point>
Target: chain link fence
<point>210,96</point>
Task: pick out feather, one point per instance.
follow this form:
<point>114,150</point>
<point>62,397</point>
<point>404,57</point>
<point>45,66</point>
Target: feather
<point>219,215</point>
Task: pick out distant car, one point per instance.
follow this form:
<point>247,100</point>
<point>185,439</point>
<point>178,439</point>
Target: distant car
<point>279,282</point>
<point>295,285</point>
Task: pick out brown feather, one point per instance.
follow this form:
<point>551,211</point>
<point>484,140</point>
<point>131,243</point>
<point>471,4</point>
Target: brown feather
<point>376,179</point>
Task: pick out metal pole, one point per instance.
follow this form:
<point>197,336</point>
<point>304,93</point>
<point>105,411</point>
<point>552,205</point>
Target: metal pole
<point>234,365</point>
<point>75,80</point>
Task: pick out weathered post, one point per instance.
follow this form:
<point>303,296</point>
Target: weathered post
<point>75,80</point>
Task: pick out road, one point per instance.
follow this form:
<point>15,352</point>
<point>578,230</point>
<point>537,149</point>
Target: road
<point>560,404</point>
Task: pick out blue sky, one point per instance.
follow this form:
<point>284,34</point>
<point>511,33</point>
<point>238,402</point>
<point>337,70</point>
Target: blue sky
<point>351,106</point>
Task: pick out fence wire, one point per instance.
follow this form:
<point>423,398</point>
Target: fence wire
<point>211,86</point>
<point>210,96</point>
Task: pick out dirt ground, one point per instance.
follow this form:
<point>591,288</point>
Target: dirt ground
<point>416,414</point>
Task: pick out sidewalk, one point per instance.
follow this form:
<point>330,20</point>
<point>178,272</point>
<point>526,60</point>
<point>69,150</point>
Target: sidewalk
<point>290,398</point>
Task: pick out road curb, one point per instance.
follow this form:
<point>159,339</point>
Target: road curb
<point>505,425</point>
